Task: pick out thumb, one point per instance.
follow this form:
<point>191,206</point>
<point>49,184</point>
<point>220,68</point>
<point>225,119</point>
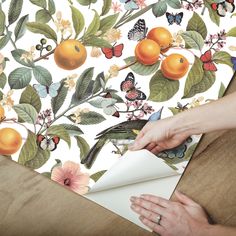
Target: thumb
<point>184,199</point>
<point>140,143</point>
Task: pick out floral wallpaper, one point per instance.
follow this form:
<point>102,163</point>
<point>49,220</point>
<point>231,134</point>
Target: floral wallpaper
<point>80,78</point>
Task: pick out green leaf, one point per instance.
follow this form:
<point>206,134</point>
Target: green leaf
<point>3,80</point>
<point>212,13</point>
<point>207,81</point>
<point>161,88</point>
<point>140,68</point>
<point>19,78</point>
<point>21,27</point>
<point>194,77</point>
<point>197,24</point>
<point>83,82</point>
<point>2,22</point>
<point>98,83</point>
<point>29,149</point>
<point>83,146</point>
<point>107,22</point>
<point>30,96</point>
<point>26,112</point>
<point>42,75</point>
<point>78,20</point>
<point>222,90</point>
<point>58,164</point>
<point>97,42</point>
<point>4,40</point>
<point>59,131</point>
<point>17,56</point>
<point>159,9</point>
<point>94,25</point>
<point>14,10</point>
<point>231,32</point>
<point>176,4</point>
<point>86,2</point>
<point>91,118</point>
<point>174,110</point>
<point>222,57</point>
<point>193,40</point>
<point>40,28</point>
<point>106,7</point>
<point>117,98</point>
<point>43,16</point>
<point>190,151</point>
<point>40,158</point>
<point>40,3</point>
<point>59,100</point>
<point>51,7</point>
<point>96,176</point>
<point>72,129</point>
<point>99,102</point>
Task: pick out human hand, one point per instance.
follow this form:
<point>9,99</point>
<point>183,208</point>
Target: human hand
<point>185,217</point>
<point>160,135</point>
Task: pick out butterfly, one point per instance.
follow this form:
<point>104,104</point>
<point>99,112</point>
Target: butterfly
<point>181,107</point>
<point>174,18</point>
<point>130,5</point>
<point>115,51</point>
<point>44,90</point>
<point>233,59</point>
<point>208,64</point>
<point>46,143</point>
<point>223,7</point>
<point>139,31</point>
<point>128,86</point>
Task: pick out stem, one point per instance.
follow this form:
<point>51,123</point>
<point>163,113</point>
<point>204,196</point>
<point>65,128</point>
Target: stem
<point>128,65</point>
<point>13,120</point>
<point>203,10</point>
<point>44,56</point>
<point>13,43</point>
<point>132,111</point>
<point>73,106</point>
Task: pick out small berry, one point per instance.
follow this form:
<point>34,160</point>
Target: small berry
<point>43,41</point>
<point>49,48</point>
<point>38,47</point>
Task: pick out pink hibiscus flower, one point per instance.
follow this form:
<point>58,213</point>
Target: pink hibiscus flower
<point>70,176</point>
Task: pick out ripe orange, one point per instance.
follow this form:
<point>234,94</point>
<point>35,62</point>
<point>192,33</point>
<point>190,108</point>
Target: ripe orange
<point>175,66</point>
<point>162,36</point>
<point>10,141</point>
<point>70,54</point>
<point>147,52</point>
<point>2,113</point>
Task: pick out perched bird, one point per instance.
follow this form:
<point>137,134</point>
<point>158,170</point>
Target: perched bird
<point>127,131</point>
<point>123,131</point>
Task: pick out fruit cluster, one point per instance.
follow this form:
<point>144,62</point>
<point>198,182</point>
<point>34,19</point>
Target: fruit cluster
<point>159,40</point>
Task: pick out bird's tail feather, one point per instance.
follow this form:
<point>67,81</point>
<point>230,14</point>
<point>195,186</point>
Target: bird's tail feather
<point>93,153</point>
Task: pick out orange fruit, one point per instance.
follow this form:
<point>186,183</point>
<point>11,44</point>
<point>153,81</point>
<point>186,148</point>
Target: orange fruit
<point>70,54</point>
<point>147,52</point>
<point>2,113</point>
<point>10,141</point>
<point>174,66</point>
<point>161,36</point>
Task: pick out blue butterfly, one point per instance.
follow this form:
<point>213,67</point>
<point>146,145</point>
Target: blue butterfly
<point>51,90</point>
<point>174,18</point>
<point>233,59</point>
<point>130,5</point>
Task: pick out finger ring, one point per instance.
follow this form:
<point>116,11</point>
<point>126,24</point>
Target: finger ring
<point>158,219</point>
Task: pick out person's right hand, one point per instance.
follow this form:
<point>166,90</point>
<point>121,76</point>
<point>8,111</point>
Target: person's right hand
<point>160,135</point>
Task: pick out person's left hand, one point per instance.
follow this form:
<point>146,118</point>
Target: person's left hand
<point>184,217</point>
